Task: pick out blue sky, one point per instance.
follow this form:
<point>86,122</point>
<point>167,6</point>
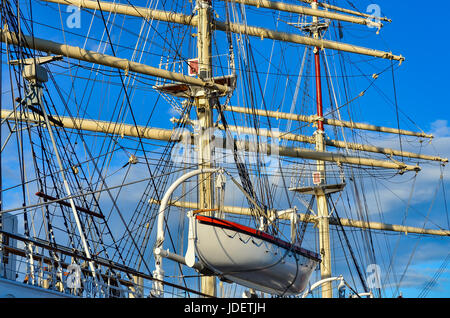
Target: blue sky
<point>421,83</point>
<point>422,93</point>
<point>417,31</point>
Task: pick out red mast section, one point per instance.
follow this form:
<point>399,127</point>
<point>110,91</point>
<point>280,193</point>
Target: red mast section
<point>318,85</point>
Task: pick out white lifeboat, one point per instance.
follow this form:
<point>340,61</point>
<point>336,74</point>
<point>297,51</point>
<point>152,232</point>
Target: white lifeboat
<point>249,257</point>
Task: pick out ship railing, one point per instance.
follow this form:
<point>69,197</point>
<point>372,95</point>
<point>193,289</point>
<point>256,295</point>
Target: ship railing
<point>39,271</point>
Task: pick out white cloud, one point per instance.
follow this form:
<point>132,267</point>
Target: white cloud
<point>440,128</point>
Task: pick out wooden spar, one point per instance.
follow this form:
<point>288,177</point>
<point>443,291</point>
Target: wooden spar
<point>296,152</point>
<point>65,203</point>
<point>339,9</point>
<point>135,11</point>
<point>331,142</point>
<point>236,28</point>
<point>298,39</point>
<point>173,135</point>
<point>327,121</point>
<point>311,219</point>
<point>192,20</point>
<point>103,59</point>
<point>281,6</point>
<point>102,127</point>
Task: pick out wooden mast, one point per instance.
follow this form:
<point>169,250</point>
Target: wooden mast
<point>322,206</point>
<point>205,120</point>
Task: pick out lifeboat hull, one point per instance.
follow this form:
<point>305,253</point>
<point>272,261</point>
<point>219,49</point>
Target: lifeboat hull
<point>253,258</point>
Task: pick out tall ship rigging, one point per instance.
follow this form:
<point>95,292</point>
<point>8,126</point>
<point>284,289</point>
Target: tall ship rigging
<point>205,148</point>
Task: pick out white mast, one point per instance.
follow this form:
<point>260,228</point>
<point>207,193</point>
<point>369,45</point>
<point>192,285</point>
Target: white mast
<point>322,207</point>
<point>205,119</point>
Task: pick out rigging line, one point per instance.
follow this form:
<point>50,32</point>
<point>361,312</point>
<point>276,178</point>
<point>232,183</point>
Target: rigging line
<point>72,88</point>
<point>79,134</point>
<point>1,135</point>
<point>346,258</point>
<point>164,38</point>
<point>270,58</point>
<point>331,94</point>
<point>253,61</point>
<point>134,120</point>
<point>158,54</point>
<point>445,198</point>
<point>337,110</point>
<point>396,108</point>
<point>297,88</point>
<point>287,81</point>
<point>368,234</point>
<point>92,67</point>
<point>331,112</point>
<point>123,84</point>
<point>168,167</point>
<point>77,107</point>
<point>143,201</point>
<point>108,229</point>
<point>26,229</point>
<point>387,248</point>
<point>120,110</point>
<point>345,85</point>
<point>412,207</point>
<point>48,226</point>
<point>403,222</point>
<point>241,167</point>
<point>111,211</point>
<point>383,94</point>
<point>73,151</point>
<point>420,237</point>
<point>70,73</point>
<point>81,163</point>
<point>301,232</point>
<point>162,163</point>
<point>105,47</point>
<point>112,142</point>
<point>88,193</point>
<point>87,37</point>
<point>431,283</point>
<point>363,282</point>
<point>45,154</point>
<point>359,211</point>
<point>69,177</point>
<point>96,203</point>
